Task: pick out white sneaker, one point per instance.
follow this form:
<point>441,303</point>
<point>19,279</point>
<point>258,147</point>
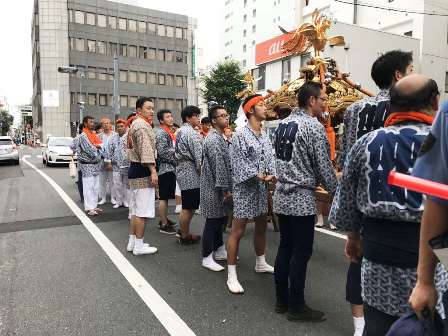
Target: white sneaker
<point>113,201</point>
<point>116,206</point>
<point>126,204</point>
<point>264,268</point>
<point>145,249</point>
<point>210,264</point>
<point>234,285</point>
<point>198,212</point>
<point>332,227</point>
<point>220,253</point>
<point>103,201</point>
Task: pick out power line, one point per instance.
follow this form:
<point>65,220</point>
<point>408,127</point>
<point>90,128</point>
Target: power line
<point>389,9</point>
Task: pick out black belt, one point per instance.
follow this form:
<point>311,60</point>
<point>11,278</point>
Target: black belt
<point>391,243</point>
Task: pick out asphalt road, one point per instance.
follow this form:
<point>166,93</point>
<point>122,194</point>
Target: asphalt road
<point>55,279</point>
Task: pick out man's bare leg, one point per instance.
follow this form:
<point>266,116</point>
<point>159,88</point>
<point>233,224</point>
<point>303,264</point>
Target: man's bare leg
<point>184,221</point>
<point>233,242</point>
<point>163,212</point>
<point>261,266</point>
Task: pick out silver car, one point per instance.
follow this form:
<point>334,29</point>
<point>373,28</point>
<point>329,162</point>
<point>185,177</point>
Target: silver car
<point>8,150</point>
<point>57,151</point>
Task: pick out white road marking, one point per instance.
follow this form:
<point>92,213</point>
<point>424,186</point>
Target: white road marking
<point>173,324</point>
<point>331,233</point>
<point>39,156</point>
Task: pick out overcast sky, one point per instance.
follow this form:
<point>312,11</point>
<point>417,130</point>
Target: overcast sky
<point>15,35</point>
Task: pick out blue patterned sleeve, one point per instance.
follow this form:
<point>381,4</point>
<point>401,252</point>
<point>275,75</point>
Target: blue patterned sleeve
<point>344,213</point>
<point>196,145</point>
<point>88,149</point>
<point>244,164</point>
<point>432,163</point>
<point>270,157</point>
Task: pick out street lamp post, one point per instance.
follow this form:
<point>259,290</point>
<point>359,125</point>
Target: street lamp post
<point>74,70</point>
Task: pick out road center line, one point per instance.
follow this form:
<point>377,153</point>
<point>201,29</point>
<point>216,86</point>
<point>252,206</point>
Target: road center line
<point>162,311</point>
<point>331,233</point>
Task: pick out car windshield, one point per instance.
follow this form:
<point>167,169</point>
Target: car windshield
<point>5,142</point>
<point>60,142</point>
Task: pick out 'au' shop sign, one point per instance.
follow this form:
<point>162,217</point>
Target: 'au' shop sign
<point>270,50</point>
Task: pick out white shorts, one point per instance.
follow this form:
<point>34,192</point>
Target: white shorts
<point>142,203</point>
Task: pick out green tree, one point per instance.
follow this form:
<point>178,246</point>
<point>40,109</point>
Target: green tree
<point>6,121</point>
<point>222,84</point>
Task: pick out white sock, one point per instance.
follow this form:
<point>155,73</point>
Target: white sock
<point>138,243</point>
<point>231,271</point>
<point>209,258</point>
<point>131,237</point>
<point>260,260</point>
<point>358,323</point>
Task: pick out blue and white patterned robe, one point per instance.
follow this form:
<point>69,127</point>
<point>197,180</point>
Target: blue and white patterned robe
<point>250,155</point>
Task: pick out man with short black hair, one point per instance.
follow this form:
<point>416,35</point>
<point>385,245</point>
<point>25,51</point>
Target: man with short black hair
<point>206,124</point>
<point>89,159</point>
<point>165,142</point>
<point>216,189</point>
<point>142,175</point>
<point>303,163</point>
<point>360,118</point>
<point>188,154</point>
<point>388,217</point>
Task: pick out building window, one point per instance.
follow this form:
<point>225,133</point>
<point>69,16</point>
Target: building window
<point>286,70</point>
<point>151,54</point>
<point>254,28</point>
<point>132,25</point>
<point>304,59</point>
<point>161,79</point>
<point>142,77</point>
<point>244,63</point>
<point>133,51</point>
<point>160,54</point>
<point>110,100</point>
<point>102,99</point>
<point>70,17</point>
<point>170,104</point>
<point>92,99</point>
<point>179,81</point>
<point>179,104</point>
<point>245,3</point>
<point>132,101</point>
<point>112,22</point>
<point>79,17</point>
<point>102,21</point>
<point>245,18</point>
<point>123,50</point>
<point>90,19</point>
<point>73,98</point>
<point>112,49</point>
<point>254,13</point>
<point>91,73</point>
<point>110,74</point>
<point>260,72</point>
<point>169,80</point>
<point>179,57</point>
<point>244,33</point>
<point>79,44</point>
<point>71,43</point>
<point>178,33</point>
<point>123,76</point>
<point>122,23</point>
<point>161,104</point>
<point>169,31</point>
<point>161,30</point>
<point>143,52</point>
<point>253,43</point>
<point>169,56</point>
<point>81,97</point>
<point>132,77</point>
<point>124,101</point>
<point>102,74</point>
<point>152,78</point>
<point>91,46</point>
<point>102,47</point>
<point>151,28</point>
<point>185,34</point>
<point>307,2</point>
<point>142,27</point>
<point>244,48</point>
<point>408,33</point>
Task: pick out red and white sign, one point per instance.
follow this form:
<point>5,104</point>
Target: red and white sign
<point>271,50</point>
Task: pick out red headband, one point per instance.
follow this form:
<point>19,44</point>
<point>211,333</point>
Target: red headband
<point>251,103</point>
<point>120,121</point>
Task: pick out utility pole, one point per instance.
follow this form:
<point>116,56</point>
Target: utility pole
<point>116,103</point>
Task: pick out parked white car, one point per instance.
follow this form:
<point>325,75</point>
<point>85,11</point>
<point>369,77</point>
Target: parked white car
<point>8,150</point>
<point>57,151</point>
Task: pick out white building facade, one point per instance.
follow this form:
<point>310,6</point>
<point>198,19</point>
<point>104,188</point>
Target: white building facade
<point>400,24</point>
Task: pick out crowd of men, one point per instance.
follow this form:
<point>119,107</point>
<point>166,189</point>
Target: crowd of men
<point>230,176</point>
